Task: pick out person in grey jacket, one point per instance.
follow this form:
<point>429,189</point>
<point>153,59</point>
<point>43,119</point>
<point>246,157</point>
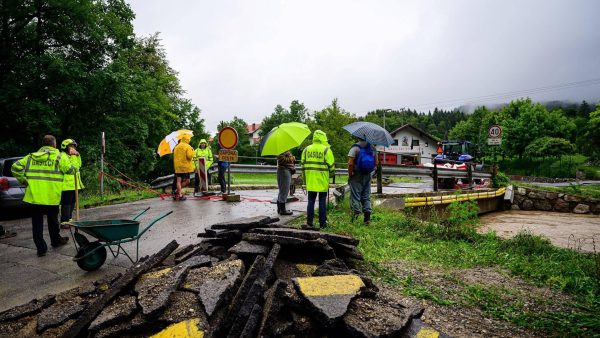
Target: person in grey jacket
<point>285,169</point>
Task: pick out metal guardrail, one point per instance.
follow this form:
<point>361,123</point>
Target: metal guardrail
<point>414,171</point>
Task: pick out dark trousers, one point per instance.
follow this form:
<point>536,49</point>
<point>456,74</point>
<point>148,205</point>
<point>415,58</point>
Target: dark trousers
<point>310,210</point>
<point>67,204</point>
<point>37,221</point>
<point>221,178</point>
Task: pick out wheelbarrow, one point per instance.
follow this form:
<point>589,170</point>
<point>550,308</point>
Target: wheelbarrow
<point>109,233</point>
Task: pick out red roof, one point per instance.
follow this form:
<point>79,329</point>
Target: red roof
<point>251,128</point>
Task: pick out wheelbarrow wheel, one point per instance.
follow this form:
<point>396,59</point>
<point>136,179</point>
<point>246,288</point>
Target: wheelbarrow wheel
<point>95,260</point>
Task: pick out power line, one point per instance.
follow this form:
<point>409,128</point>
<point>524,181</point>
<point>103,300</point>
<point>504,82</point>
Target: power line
<point>512,94</point>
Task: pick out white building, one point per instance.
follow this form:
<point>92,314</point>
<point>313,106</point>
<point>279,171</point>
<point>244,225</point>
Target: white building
<point>253,133</point>
<point>411,146</point>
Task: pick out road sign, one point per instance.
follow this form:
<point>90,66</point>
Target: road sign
<point>495,131</point>
<point>228,155</point>
<point>228,138</point>
<point>494,141</point>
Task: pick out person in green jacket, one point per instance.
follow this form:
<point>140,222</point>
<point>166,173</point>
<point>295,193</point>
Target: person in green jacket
<point>204,151</point>
<point>43,173</point>
<point>317,164</point>
<point>67,199</point>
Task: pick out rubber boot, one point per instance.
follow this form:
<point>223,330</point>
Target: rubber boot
<point>284,211</point>
<point>367,219</point>
<point>278,208</point>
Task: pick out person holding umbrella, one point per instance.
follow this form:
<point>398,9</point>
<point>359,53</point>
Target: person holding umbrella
<point>278,142</point>
<point>317,163</point>
<point>361,163</point>
<point>285,169</point>
<point>362,160</point>
<point>182,162</point>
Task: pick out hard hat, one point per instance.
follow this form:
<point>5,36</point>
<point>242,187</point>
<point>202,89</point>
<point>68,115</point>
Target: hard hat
<point>67,142</point>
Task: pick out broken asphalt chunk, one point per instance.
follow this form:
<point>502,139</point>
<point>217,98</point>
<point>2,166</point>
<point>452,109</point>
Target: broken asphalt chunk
<point>59,312</point>
<point>247,248</point>
<point>329,296</point>
<point>121,308</point>
<point>32,307</point>
<point>155,288</point>
<point>215,286</point>
<point>246,223</point>
<point>187,328</point>
<point>371,318</point>
<point>307,234</point>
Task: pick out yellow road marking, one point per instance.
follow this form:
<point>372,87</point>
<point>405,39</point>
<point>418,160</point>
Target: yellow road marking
<point>306,269</point>
<point>186,329</point>
<point>330,285</point>
<point>427,332</point>
<point>156,274</point>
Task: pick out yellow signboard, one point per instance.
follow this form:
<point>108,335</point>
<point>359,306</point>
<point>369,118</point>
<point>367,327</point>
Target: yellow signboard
<point>228,155</point>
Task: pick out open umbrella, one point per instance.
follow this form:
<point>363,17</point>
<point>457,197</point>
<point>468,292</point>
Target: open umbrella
<point>167,145</point>
<point>283,138</point>
<point>370,132</point>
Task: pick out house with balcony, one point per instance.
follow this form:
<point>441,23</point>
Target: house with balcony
<point>253,131</point>
<point>411,145</point>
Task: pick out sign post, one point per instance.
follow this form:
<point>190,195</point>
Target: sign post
<point>494,137</point>
<point>102,151</point>
<point>228,139</point>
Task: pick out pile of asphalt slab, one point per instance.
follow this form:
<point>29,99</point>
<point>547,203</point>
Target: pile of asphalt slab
<point>245,278</point>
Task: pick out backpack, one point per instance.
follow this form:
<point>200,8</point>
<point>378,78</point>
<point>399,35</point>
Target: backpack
<point>365,162</point>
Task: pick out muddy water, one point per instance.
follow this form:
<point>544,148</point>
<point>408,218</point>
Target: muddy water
<point>562,229</point>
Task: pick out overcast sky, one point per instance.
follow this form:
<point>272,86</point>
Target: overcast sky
<point>244,57</point>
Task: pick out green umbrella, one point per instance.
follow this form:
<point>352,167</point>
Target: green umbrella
<point>283,138</point>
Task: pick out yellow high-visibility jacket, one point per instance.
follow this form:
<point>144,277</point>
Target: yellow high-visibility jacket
<point>317,163</point>
<point>43,173</point>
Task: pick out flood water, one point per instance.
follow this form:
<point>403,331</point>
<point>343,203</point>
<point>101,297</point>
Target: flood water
<point>567,230</point>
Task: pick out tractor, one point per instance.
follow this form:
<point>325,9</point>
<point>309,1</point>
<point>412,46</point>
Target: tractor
<point>457,155</point>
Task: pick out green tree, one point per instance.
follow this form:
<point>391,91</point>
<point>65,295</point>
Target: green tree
<point>331,120</point>
<point>528,122</point>
<point>296,113</point>
<point>591,139</point>
<point>549,147</point>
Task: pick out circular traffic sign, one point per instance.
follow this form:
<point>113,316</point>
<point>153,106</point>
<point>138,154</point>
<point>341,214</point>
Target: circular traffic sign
<point>228,138</point>
<point>495,131</point>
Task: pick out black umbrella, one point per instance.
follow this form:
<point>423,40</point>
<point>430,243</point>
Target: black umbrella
<point>370,132</point>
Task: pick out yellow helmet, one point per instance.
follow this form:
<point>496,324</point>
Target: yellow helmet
<point>67,142</point>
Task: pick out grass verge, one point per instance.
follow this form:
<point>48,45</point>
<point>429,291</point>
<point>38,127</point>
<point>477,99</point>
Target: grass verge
<point>394,236</point>
<point>87,200</point>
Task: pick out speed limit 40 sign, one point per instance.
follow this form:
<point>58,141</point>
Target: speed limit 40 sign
<point>495,131</point>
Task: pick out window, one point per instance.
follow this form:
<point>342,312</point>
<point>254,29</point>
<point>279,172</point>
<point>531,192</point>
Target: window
<point>415,143</point>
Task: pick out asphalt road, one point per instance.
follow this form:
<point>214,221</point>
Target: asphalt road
<point>25,276</point>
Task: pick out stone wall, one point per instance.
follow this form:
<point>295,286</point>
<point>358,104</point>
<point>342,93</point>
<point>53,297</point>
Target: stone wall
<point>533,199</point>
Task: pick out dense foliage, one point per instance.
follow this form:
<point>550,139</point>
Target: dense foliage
<point>74,69</point>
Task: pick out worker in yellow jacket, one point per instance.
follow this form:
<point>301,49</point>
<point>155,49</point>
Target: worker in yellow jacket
<point>203,151</point>
<point>43,173</point>
<point>317,164</point>
<point>182,161</point>
<point>67,199</point>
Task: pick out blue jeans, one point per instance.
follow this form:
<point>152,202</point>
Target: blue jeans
<point>360,192</point>
<point>310,210</point>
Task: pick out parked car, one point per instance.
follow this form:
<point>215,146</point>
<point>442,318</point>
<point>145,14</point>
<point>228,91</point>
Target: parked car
<point>11,191</point>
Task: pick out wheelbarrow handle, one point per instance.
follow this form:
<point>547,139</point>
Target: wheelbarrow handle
<point>141,213</point>
<point>153,222</point>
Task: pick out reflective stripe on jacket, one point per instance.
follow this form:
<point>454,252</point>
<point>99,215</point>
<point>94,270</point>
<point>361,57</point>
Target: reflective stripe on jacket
<point>206,153</point>
<point>43,173</point>
<point>317,162</point>
<point>69,182</point>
